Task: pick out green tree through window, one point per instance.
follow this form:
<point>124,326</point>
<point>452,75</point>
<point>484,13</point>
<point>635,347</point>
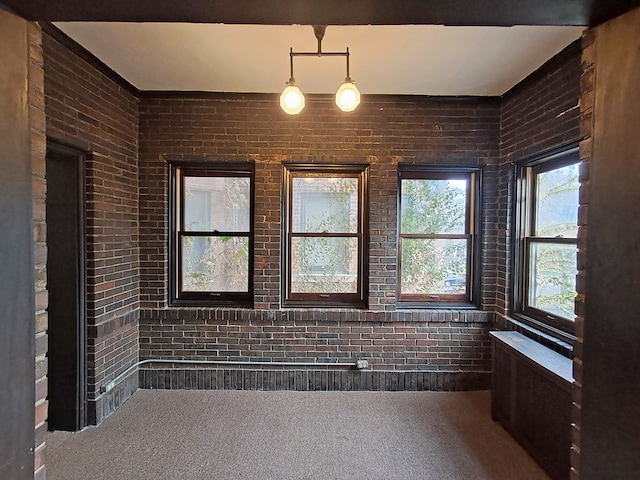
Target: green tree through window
<point>546,245</point>
<point>552,246</point>
<point>436,234</point>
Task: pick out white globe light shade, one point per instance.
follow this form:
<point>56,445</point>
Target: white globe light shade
<point>347,97</point>
<point>292,100</point>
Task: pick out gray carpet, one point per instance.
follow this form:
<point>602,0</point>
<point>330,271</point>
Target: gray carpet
<point>244,435</point>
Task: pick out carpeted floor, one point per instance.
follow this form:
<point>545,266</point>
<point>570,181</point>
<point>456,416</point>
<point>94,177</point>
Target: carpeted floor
<point>248,435</point>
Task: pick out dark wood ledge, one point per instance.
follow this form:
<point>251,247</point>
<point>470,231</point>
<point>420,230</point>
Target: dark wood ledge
<point>537,354</point>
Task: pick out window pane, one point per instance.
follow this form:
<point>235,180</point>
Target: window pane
<point>433,206</point>
<point>216,203</point>
<point>215,264</point>
<point>433,266</point>
<point>557,203</point>
<point>552,278</point>
<point>324,204</point>
<point>324,265</point>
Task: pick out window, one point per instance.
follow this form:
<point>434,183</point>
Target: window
<point>211,245</point>
<point>438,235</point>
<point>324,235</point>
<point>546,247</point>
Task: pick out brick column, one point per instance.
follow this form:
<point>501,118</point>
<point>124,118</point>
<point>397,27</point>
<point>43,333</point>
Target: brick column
<point>37,121</point>
<point>586,127</point>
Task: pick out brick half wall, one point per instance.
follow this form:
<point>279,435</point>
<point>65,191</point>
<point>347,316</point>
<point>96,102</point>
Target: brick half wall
<point>418,340</point>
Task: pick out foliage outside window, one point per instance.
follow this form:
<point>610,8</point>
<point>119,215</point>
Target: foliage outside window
<point>212,242</point>
<point>437,235</point>
<point>548,230</point>
<point>324,235</point>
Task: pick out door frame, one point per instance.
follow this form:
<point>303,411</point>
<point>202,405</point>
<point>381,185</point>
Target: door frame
<point>79,156</point>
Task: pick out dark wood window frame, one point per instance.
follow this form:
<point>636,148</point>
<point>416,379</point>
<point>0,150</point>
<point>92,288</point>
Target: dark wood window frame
<point>178,171</point>
<point>356,299</point>
<point>523,226</point>
<point>473,222</point>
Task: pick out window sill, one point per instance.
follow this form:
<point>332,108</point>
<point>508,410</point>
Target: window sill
<point>435,306</point>
<point>288,315</point>
<point>561,343</point>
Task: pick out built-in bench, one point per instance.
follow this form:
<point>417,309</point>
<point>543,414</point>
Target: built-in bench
<point>531,398</point>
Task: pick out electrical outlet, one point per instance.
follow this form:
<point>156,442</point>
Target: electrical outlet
<point>362,364</point>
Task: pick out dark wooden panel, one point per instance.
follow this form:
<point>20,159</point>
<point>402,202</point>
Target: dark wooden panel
<point>501,385</point>
<point>610,443</point>
<point>17,327</point>
<point>329,12</point>
<point>531,398</point>
<point>542,419</point>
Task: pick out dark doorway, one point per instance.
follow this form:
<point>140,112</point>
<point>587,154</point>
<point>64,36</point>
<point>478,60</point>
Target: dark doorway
<point>67,287</point>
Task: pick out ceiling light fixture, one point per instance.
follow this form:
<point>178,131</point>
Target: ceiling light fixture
<point>347,96</point>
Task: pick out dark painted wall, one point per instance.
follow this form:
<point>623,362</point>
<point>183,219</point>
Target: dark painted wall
<point>17,329</point>
<point>611,353</point>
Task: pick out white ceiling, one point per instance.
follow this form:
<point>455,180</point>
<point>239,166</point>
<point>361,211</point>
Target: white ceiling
<point>401,59</point>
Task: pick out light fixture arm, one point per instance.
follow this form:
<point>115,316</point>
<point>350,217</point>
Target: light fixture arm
<point>318,30</point>
<point>292,99</point>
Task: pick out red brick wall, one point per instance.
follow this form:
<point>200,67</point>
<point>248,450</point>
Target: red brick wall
<point>542,111</point>
<point>388,340</point>
<point>538,114</point>
<point>89,109</point>
<point>383,131</point>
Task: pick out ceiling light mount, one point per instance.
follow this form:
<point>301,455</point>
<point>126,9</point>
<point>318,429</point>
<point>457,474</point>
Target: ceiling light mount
<point>347,96</point>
